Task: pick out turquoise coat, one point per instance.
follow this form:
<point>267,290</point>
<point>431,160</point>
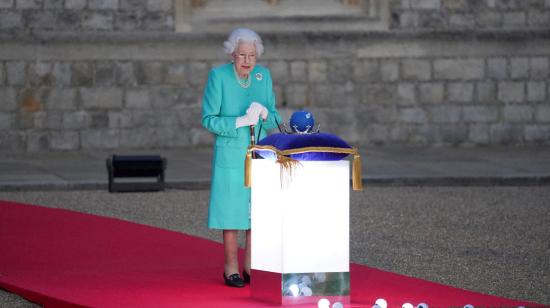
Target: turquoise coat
<point>224,100</point>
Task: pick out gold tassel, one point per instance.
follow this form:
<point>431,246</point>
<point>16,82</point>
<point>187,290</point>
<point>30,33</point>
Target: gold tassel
<point>247,168</point>
<point>357,179</point>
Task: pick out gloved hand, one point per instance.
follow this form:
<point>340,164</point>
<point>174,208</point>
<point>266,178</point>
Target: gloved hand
<point>258,108</point>
<point>247,120</point>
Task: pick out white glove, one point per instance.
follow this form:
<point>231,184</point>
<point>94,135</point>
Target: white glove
<point>257,108</point>
<point>247,120</point>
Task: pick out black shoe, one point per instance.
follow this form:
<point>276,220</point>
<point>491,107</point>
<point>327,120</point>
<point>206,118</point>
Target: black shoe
<point>246,277</point>
<point>234,280</point>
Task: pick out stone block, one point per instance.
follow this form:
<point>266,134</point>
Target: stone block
<point>171,137</point>
<point>102,98</point>
<point>141,137</point>
<point>12,141</point>
<point>497,68</point>
<point>297,95</point>
<point>377,94</point>
<point>519,68</point>
<point>539,68</point>
<point>201,137</point>
<point>318,71</point>
<point>52,120</point>
<point>163,97</point>
<point>377,134</point>
<point>408,19</point>
<point>41,19</point>
<point>460,92</point>
<point>537,133</point>
<point>6,4</point>
<point>340,71</point>
<point>143,118</point>
<point>103,4</point>
<point>189,96</point>
<point>486,91</point>
<point>133,4</point>
<point>538,18</point>
<point>82,74</point>
<point>151,73</point>
<point>160,5</point>
<point>479,133</point>
<point>16,73</point>
<point>459,69</point>
<point>321,95</point>
<point>68,20</point>
<point>547,3</point>
<point>514,19</point>
<point>454,134</point>
<point>426,4</point>
<point>64,140</point>
<point>415,69</point>
<point>104,75</point>
<point>198,73</point>
<point>53,4</point>
<point>8,99</point>
<point>119,119</point>
<point>488,19</point>
<point>11,20</point>
<point>157,21</point>
<point>28,4</point>
<point>536,91</point>
<point>98,20</point>
<point>76,120</point>
<point>175,74</point>
<point>511,91</point>
<point>38,141</point>
<point>366,71</point>
<point>462,20</point>
<point>2,74</point>
<point>128,20</point>
<point>389,70</point>
<point>75,4</point>
<point>98,118</point>
<point>125,74</point>
<point>542,114</point>
<point>399,133</point>
<point>101,139</point>
<point>40,73</point>
<point>188,117</point>
<point>431,19</point>
<point>406,93</point>
<point>61,74</point>
<point>445,114</point>
<point>480,114</point>
<point>6,120</point>
<point>61,99</point>
<point>431,92</point>
<point>455,5</point>
<point>505,133</point>
<point>413,115</point>
<point>517,113</point>
<point>279,71</point>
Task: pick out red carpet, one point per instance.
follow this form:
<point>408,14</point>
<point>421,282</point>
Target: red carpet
<point>62,258</point>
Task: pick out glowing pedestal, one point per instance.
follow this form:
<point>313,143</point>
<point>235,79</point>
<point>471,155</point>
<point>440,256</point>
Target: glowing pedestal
<point>300,232</point>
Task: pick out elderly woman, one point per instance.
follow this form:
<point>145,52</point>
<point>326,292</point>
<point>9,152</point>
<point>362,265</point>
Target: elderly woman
<point>237,96</point>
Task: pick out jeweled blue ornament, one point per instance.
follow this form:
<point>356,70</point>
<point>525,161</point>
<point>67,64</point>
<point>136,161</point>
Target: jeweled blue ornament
<point>302,122</point>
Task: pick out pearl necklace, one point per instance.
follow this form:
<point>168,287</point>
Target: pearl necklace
<point>244,83</point>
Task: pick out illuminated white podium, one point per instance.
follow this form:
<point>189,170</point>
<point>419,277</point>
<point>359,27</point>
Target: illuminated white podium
<point>300,232</point>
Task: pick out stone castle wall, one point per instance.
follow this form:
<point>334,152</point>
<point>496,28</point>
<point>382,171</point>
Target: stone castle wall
<point>105,74</point>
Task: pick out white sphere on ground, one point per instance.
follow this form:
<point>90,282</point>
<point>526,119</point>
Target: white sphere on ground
<point>422,305</point>
<point>468,306</point>
<point>382,303</point>
<point>407,305</point>
<point>323,303</point>
<point>375,306</point>
<point>337,305</point>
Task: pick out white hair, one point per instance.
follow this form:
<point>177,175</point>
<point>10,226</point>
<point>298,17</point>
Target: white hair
<point>243,35</point>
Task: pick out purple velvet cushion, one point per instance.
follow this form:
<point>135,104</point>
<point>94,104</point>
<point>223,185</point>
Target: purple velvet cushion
<point>297,141</point>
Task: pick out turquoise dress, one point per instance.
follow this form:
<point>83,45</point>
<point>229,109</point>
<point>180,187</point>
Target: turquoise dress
<point>223,102</point>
